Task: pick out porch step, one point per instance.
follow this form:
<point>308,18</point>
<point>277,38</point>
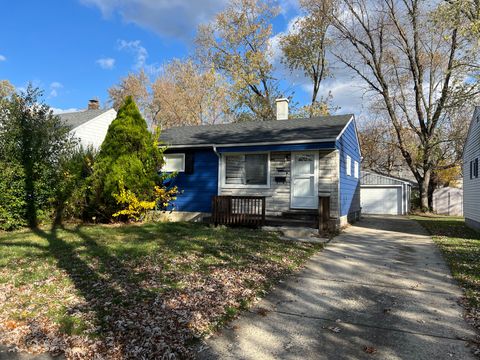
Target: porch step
<point>283,221</point>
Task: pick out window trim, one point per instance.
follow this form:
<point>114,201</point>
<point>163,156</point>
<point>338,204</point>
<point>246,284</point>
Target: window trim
<point>223,171</point>
<point>348,165</point>
<point>175,154</point>
<point>356,169</point>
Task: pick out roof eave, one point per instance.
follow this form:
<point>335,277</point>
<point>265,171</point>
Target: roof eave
<point>291,142</point>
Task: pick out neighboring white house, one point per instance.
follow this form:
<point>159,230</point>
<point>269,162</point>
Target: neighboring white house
<point>448,201</point>
<point>471,176</point>
<point>384,195</point>
<point>90,125</point>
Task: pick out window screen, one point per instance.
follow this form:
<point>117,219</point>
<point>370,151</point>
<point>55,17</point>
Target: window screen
<point>349,165</point>
<point>249,169</point>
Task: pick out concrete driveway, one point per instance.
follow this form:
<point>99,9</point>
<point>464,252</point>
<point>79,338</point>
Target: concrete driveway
<point>381,290</point>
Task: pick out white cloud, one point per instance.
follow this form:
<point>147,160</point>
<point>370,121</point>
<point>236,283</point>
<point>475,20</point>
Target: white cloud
<point>287,5</point>
<point>348,94</point>
<point>169,18</point>
<point>139,52</point>
<point>57,111</point>
<point>140,56</point>
<point>3,58</point>
<point>274,41</point>
<point>106,63</point>
<point>54,88</point>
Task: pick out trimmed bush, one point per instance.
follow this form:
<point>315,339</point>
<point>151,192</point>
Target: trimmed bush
<point>129,157</point>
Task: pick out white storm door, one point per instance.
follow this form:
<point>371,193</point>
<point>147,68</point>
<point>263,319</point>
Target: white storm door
<point>304,181</point>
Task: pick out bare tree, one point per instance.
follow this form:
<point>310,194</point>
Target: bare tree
<point>379,147</point>
<point>305,47</point>
<point>237,44</point>
<point>187,95</point>
<point>183,94</point>
<point>137,86</point>
<point>418,69</point>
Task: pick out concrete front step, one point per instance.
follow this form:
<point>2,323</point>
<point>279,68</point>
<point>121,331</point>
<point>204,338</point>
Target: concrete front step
<point>301,234</point>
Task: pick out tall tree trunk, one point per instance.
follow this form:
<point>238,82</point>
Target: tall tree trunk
<point>424,186</point>
<point>431,188</point>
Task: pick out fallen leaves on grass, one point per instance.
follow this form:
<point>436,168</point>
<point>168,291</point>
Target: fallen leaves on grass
<point>369,349</point>
<point>144,309</point>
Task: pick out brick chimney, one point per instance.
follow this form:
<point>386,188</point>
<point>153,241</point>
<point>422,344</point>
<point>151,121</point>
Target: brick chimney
<point>282,108</point>
<point>93,104</point>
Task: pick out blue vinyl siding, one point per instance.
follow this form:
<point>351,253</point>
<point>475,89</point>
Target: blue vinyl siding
<point>284,147</point>
<point>348,144</point>
<point>198,187</point>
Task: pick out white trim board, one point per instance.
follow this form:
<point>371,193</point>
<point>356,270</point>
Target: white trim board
<point>222,172</point>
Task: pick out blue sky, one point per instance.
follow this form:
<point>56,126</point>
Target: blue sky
<point>77,49</point>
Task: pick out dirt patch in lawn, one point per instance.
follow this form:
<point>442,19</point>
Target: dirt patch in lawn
<point>132,291</point>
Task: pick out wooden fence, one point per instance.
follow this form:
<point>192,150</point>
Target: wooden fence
<point>238,210</point>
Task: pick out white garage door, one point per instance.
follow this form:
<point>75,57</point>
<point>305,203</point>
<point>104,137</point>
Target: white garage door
<point>381,200</point>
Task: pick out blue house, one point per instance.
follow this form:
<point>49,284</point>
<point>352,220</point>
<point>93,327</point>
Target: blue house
<point>290,162</point>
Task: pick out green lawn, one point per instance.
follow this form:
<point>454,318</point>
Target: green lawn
<point>460,246</point>
<point>131,291</point>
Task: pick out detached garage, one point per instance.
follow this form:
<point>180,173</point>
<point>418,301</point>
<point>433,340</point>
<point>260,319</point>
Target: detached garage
<point>384,195</point>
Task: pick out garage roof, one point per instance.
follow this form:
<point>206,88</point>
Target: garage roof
<point>374,178</point>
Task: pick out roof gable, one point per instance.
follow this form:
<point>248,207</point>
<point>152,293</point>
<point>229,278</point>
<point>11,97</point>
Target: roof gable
<point>77,118</point>
<point>325,128</point>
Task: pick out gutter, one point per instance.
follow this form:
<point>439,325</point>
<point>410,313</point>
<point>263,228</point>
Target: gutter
<point>291,142</point>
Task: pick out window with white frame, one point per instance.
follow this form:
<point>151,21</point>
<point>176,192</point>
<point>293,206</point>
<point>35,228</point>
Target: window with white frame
<point>349,166</point>
<point>174,163</point>
<point>246,170</point>
<point>355,169</point>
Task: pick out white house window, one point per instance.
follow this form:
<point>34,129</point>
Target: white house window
<point>355,169</point>
<point>174,163</point>
<point>246,170</point>
<point>349,166</point>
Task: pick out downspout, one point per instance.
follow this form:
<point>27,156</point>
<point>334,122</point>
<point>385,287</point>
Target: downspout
<point>219,175</point>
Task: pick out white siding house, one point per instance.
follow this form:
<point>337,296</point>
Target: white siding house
<point>90,126</point>
<point>471,173</point>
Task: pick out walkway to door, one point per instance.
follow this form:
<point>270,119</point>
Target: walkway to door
<point>380,290</point>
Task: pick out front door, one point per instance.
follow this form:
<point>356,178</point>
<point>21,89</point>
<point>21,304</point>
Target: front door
<point>304,181</point>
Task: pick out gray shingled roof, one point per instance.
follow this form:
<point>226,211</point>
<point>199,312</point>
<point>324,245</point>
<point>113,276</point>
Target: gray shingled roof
<point>275,131</point>
<point>77,118</point>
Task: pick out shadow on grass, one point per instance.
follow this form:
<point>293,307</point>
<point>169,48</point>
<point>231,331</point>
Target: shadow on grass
<point>113,291</point>
<point>145,287</point>
<point>447,226</point>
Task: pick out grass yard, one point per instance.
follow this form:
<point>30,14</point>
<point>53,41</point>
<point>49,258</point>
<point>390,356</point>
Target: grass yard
<point>133,291</point>
<point>460,246</point>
